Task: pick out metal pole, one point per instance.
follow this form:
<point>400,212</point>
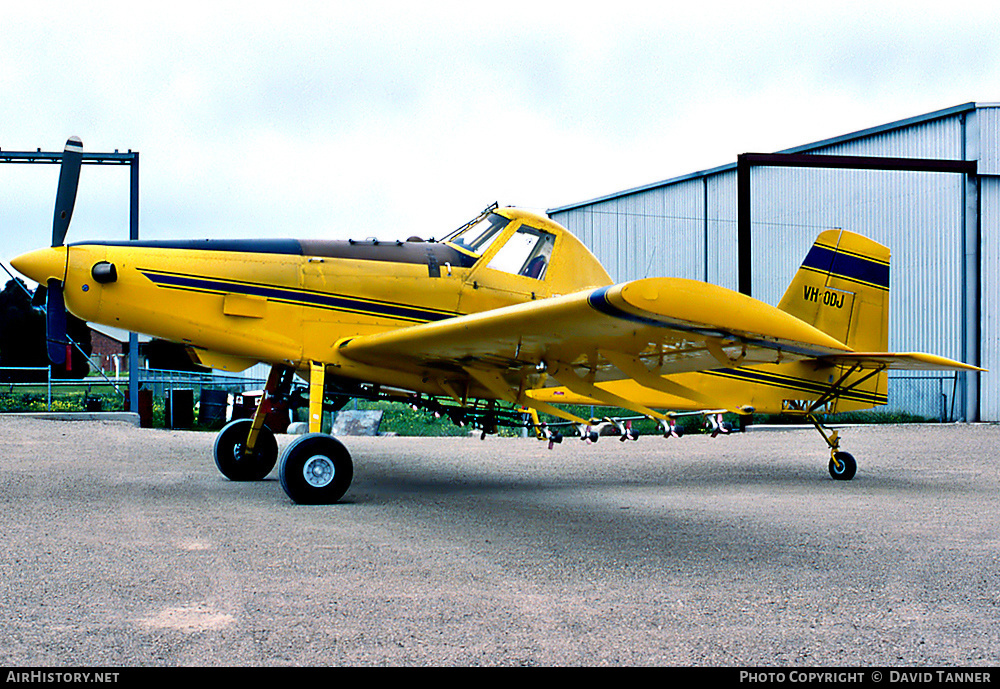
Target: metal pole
<point>971,270</point>
<point>743,231</point>
<point>133,338</point>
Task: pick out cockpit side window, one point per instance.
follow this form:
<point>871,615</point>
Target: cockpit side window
<point>526,253</point>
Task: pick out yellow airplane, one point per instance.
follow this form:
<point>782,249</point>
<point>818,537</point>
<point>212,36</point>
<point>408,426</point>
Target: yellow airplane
<point>509,313</point>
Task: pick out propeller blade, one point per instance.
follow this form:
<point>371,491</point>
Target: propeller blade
<point>55,323</point>
<point>69,178</point>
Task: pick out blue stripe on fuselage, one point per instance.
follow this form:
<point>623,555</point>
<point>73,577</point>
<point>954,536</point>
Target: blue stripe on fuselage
<point>314,299</point>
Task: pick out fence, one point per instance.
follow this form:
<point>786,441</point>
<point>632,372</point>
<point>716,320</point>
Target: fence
<point>158,382</point>
<point>927,395</point>
<point>932,396</point>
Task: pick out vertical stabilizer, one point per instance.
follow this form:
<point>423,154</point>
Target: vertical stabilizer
<point>842,288</point>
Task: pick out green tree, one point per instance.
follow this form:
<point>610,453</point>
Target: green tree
<point>22,334</point>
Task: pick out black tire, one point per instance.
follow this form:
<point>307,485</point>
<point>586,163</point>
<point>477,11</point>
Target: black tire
<point>848,467</point>
<point>316,469</point>
<point>229,456</point>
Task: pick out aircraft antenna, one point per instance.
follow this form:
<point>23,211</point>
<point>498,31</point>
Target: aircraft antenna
<point>486,211</point>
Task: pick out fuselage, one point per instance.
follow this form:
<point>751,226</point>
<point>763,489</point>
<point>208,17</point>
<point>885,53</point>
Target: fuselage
<point>238,302</point>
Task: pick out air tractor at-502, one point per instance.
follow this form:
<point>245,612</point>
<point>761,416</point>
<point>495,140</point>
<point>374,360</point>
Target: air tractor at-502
<point>506,317</point>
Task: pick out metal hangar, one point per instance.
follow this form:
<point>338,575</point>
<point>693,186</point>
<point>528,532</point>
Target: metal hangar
<point>928,187</point>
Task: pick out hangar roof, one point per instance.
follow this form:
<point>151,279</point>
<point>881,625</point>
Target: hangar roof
<point>899,124</point>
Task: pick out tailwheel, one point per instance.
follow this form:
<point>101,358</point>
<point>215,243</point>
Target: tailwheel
<point>235,462</point>
<point>842,466</point>
<point>316,469</point>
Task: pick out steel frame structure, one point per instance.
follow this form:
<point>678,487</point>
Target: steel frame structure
<point>131,159</point>
<point>971,270</point>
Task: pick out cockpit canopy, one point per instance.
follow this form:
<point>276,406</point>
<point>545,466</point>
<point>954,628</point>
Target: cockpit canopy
<point>526,252</point>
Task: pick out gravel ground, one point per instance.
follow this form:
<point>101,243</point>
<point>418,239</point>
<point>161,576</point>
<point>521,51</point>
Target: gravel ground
<point>125,547</point>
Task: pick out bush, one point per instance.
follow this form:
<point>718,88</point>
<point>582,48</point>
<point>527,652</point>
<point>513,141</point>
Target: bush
<point>400,418</point>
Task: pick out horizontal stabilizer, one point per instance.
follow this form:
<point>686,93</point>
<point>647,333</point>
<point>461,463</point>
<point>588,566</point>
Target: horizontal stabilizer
<point>908,361</point>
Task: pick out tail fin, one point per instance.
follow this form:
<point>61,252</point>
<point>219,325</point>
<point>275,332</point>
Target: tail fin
<point>842,288</point>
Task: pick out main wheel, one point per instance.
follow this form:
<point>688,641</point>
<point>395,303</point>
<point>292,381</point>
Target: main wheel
<point>316,469</point>
<point>231,459</point>
<point>846,469</point>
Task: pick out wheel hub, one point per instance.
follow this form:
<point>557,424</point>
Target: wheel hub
<point>318,471</point>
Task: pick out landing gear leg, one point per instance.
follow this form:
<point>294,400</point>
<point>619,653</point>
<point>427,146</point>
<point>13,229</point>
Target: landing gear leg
<point>842,464</point>
<point>316,469</point>
<point>245,449</point>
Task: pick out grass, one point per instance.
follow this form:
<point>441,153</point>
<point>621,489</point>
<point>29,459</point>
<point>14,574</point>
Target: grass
<point>30,400</point>
<point>867,416</point>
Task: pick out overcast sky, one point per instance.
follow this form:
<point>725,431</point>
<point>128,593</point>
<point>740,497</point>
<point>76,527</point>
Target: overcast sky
<point>357,119</point>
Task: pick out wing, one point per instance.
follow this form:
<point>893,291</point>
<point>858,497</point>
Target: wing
<point>640,330</point>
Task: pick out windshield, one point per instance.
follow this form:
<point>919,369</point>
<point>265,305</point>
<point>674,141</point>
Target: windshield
<point>479,236</point>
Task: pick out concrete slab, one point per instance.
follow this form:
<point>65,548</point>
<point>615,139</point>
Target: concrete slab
<point>124,546</point>
<point>121,416</point>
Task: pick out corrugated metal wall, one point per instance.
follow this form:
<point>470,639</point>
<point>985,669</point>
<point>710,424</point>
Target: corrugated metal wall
<point>641,235</point>
<point>687,228</point>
